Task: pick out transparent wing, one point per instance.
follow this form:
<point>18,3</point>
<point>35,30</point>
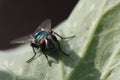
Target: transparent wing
<point>26,39</point>
<point>46,24</point>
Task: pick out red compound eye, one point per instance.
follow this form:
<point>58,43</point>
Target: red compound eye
<point>42,42</point>
<point>53,37</point>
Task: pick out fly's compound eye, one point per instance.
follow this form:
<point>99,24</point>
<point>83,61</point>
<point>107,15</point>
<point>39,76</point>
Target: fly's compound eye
<point>53,37</point>
<point>42,43</point>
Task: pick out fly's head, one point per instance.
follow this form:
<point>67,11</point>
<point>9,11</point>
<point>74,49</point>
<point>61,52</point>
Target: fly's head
<point>50,41</point>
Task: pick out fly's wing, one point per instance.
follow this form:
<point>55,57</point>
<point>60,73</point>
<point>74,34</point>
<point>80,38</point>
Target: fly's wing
<point>46,24</point>
<point>26,39</point>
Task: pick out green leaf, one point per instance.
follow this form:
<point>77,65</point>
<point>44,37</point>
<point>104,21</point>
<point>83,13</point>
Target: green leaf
<point>94,52</point>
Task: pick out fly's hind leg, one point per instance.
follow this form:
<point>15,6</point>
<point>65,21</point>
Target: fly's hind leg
<point>33,55</point>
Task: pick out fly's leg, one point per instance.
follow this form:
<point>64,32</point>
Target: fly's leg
<point>46,57</point>
<point>33,55</point>
<point>63,37</point>
<point>61,49</point>
<point>55,39</point>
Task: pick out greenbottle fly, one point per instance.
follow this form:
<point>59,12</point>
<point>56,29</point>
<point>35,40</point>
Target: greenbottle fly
<point>43,38</point>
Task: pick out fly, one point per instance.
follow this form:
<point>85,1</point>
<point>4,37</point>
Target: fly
<point>43,38</point>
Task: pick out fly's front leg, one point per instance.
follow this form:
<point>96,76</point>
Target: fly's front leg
<point>46,57</point>
<point>63,37</point>
<point>33,55</point>
<point>61,49</point>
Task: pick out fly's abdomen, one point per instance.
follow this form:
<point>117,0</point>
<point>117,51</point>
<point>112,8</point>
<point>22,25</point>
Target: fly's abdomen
<point>39,35</point>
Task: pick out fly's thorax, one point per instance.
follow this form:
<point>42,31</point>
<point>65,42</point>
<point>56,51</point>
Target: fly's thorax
<point>38,35</point>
